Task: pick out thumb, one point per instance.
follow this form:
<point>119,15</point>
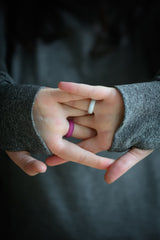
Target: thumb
<point>27,163</point>
<point>124,163</point>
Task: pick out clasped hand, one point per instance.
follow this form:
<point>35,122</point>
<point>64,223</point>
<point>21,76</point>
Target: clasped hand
<point>107,118</point>
<point>51,110</point>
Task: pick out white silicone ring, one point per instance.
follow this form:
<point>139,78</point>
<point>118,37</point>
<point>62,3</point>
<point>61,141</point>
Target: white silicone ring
<point>91,106</point>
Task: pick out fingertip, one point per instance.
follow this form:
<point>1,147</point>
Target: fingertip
<point>109,176</point>
<point>42,168</point>
<point>108,179</point>
<point>34,168</point>
<point>49,161</point>
<point>62,85</point>
<point>66,86</point>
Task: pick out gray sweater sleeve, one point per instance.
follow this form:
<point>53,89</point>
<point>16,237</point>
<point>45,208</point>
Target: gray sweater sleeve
<point>141,125</point>
<point>17,130</point>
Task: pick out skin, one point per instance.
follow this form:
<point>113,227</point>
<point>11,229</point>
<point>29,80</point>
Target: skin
<point>108,116</point>
<point>51,110</point>
<point>50,114</point>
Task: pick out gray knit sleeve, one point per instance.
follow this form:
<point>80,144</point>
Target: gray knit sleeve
<point>17,130</point>
<point>141,125</point>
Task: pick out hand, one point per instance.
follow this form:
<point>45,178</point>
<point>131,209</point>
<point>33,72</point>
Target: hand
<point>50,116</point>
<point>108,116</point>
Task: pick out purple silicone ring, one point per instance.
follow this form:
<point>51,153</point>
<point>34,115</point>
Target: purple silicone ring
<point>71,129</point>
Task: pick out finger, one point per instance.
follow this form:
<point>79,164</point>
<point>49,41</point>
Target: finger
<point>72,152</point>
<point>27,163</point>
<point>80,104</point>
<point>47,95</point>
<point>73,112</point>
<point>88,91</point>
<point>124,163</point>
<point>87,121</point>
<point>61,96</point>
<point>82,132</point>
